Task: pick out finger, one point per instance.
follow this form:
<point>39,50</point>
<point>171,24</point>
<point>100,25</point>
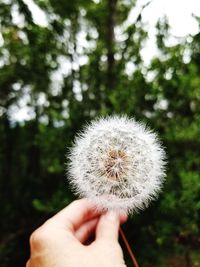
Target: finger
<point>123,217</point>
<point>86,230</point>
<point>75,214</point>
<point>108,226</point>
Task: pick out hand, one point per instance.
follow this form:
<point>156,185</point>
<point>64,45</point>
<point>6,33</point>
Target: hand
<point>61,241</point>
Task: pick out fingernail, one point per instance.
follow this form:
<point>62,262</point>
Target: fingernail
<point>123,216</point>
<point>111,216</point>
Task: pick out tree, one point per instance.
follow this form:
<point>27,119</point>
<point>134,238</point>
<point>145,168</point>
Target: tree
<point>71,71</point>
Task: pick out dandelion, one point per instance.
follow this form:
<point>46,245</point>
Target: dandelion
<point>118,163</point>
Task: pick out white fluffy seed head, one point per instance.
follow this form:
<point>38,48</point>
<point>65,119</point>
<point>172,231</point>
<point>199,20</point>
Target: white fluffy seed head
<point>118,163</point>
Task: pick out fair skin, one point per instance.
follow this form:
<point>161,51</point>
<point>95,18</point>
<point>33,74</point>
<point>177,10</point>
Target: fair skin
<point>64,240</point>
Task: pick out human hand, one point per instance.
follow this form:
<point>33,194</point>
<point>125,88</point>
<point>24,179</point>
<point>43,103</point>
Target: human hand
<point>60,241</point>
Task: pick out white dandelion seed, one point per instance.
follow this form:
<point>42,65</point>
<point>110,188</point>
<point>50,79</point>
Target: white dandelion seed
<point>118,163</point>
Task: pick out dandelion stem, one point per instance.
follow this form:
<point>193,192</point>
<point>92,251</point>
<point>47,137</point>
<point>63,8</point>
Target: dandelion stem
<point>135,264</point>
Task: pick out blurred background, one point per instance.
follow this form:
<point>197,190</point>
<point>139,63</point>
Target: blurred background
<point>63,63</point>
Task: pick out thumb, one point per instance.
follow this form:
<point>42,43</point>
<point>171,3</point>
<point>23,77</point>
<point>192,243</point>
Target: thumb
<point>108,226</point>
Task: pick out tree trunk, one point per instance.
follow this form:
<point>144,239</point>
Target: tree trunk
<point>110,80</point>
<point>7,154</point>
<point>188,261</point>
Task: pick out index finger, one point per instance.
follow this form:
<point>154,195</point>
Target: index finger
<point>74,215</point>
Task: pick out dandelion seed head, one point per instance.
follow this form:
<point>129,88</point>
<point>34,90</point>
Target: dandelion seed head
<point>118,163</point>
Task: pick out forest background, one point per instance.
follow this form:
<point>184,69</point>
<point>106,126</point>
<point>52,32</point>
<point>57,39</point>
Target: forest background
<point>84,63</point>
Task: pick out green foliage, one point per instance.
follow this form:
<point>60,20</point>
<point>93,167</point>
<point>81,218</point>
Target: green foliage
<point>55,203</point>
<point>71,71</point>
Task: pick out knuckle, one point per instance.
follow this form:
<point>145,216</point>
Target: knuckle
<point>115,248</point>
<point>28,263</point>
<point>108,243</point>
<point>79,202</point>
<point>38,238</point>
<point>76,202</point>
